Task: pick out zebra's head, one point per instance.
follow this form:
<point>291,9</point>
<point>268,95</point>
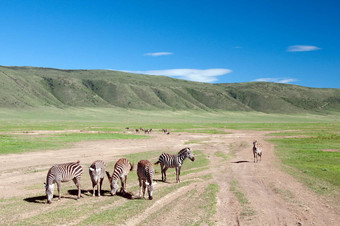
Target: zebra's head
<point>114,186</point>
<point>49,192</point>
<point>255,144</point>
<point>95,173</point>
<point>188,153</point>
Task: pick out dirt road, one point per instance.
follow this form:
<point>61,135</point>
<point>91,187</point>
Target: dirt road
<point>270,196</point>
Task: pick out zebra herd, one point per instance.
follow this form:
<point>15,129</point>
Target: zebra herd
<point>145,172</point>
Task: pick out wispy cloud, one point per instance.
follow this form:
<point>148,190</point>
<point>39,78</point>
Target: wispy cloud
<point>198,75</point>
<point>156,54</point>
<point>302,48</point>
<point>277,80</point>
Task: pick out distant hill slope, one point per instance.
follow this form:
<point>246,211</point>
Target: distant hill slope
<point>22,87</point>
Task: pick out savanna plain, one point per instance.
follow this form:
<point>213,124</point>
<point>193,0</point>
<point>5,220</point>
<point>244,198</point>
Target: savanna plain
<point>297,181</point>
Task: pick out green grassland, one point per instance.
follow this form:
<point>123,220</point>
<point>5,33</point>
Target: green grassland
<point>310,160</point>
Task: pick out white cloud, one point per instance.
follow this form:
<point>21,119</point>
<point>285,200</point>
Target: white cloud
<point>198,75</point>
<point>277,80</point>
<point>156,54</point>
<point>302,48</point>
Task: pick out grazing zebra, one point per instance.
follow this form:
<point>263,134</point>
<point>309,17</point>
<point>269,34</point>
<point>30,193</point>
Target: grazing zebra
<point>97,173</point>
<point>148,131</point>
<point>62,173</point>
<point>121,170</point>
<point>174,161</point>
<point>145,173</point>
<point>256,151</point>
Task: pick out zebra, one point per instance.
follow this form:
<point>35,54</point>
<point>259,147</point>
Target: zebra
<point>121,170</point>
<point>97,173</point>
<point>147,131</point>
<point>256,151</point>
<point>145,173</point>
<point>62,173</point>
<point>174,161</point>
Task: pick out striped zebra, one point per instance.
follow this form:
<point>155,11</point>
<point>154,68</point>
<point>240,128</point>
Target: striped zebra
<point>174,161</point>
<point>145,173</point>
<point>121,170</point>
<point>97,174</point>
<point>257,151</point>
<point>62,173</point>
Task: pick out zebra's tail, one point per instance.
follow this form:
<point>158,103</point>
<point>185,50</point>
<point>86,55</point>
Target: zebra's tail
<point>108,175</point>
<point>157,162</point>
<point>131,166</point>
<point>78,161</point>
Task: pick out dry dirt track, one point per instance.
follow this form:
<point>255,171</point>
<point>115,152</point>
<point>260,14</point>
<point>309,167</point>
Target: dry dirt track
<point>275,198</point>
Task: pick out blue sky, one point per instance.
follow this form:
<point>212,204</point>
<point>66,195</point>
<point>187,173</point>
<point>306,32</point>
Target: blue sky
<point>295,42</point>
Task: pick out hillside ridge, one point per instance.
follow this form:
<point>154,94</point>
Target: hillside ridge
<point>29,87</point>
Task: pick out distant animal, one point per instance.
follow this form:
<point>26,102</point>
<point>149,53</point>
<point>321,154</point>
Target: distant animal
<point>62,173</point>
<point>257,151</point>
<point>147,131</point>
<point>137,130</point>
<point>165,130</point>
<point>174,161</point>
<point>121,170</point>
<point>97,174</point>
<point>145,173</point>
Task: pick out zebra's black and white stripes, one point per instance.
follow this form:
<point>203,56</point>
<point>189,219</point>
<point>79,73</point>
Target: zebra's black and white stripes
<point>121,170</point>
<point>174,161</point>
<point>62,173</point>
<point>145,173</point>
<point>97,174</point>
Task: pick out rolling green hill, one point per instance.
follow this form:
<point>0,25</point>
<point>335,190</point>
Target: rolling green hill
<point>29,87</point>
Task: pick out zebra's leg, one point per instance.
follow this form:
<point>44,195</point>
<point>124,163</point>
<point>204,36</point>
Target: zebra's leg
<point>140,187</point>
<point>94,189</point>
<point>162,171</point>
<point>98,186</point>
<point>58,186</point>
<point>179,173</point>
<point>165,169</point>
<point>144,188</point>
<point>122,184</point>
<point>125,179</point>
<point>77,183</point>
<point>101,185</point>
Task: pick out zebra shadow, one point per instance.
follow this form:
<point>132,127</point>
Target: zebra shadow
<point>242,161</point>
<point>83,192</point>
<point>41,199</point>
<point>127,195</point>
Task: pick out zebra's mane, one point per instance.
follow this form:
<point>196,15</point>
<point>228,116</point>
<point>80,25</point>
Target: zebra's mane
<point>183,150</point>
